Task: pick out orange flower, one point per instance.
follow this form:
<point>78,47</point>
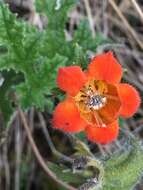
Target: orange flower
<point>95,99</point>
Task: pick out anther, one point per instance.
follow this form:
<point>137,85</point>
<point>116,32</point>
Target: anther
<point>96,102</point>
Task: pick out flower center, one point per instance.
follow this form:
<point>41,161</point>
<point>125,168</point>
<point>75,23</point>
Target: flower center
<point>98,102</point>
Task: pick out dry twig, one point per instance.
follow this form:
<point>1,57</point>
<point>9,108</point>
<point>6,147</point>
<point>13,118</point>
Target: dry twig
<point>126,23</point>
<point>50,143</point>
<point>90,18</point>
<point>38,155</point>
<point>138,9</point>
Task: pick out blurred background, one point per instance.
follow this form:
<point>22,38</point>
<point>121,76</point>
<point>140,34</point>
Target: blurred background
<point>120,22</point>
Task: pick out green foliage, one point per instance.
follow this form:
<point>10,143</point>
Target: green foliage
<point>35,56</point>
<point>66,175</point>
<point>92,169</point>
<point>57,14</point>
<point>124,169</point>
<point>84,38</point>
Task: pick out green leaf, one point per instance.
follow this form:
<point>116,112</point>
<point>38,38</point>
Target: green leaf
<point>57,13</point>
<point>39,83</point>
<point>124,170</point>
<point>84,38</point>
<point>39,69</point>
<point>66,175</point>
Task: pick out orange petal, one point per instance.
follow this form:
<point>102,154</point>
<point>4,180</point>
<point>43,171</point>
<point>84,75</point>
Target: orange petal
<point>130,99</point>
<point>105,67</point>
<point>103,135</point>
<point>71,79</point>
<point>110,112</point>
<point>67,117</point>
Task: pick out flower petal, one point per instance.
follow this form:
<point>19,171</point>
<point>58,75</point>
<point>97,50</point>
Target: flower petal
<point>130,99</point>
<point>71,79</point>
<point>105,67</point>
<point>103,135</point>
<point>111,111</point>
<point>67,117</point>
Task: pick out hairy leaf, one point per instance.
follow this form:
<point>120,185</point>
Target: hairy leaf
<point>124,170</point>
